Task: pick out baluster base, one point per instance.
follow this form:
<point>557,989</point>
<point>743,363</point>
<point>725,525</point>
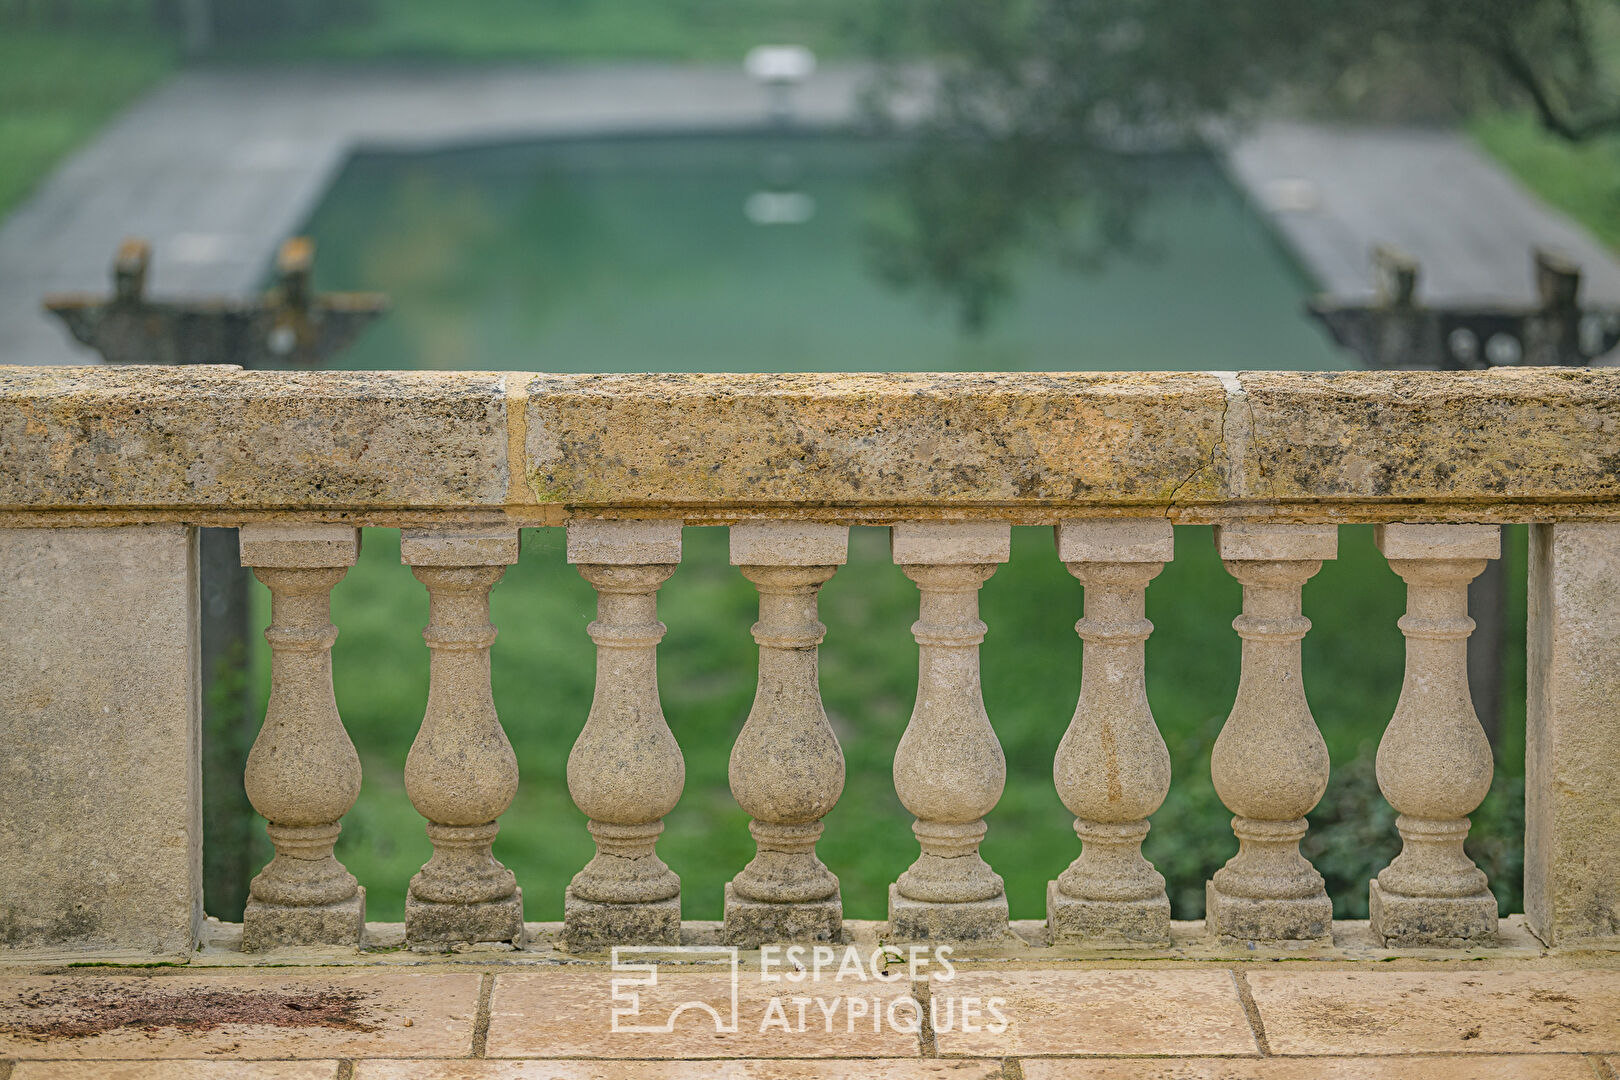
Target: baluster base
<point>752,923</point>
<point>1442,921</point>
<point>434,925</point>
<point>930,920</point>
<point>591,925</point>
<point>1292,922</point>
<point>1106,922</point>
<point>269,926</point>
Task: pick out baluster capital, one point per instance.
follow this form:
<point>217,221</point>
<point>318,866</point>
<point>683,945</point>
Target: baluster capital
<point>788,543</point>
<point>276,546</point>
<point>478,546</point>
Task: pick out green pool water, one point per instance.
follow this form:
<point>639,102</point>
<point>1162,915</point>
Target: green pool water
<point>636,254</point>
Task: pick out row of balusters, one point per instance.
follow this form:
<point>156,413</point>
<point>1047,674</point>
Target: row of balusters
<point>1112,769</point>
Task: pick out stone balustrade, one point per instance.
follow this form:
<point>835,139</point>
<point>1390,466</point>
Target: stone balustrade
<point>106,473</point>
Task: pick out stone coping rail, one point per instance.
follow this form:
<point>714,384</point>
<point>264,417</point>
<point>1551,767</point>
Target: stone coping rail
<point>107,473</point>
<point>216,445</point>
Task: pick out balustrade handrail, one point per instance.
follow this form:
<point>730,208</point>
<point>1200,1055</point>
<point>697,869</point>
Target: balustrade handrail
<point>217,445</point>
<point>105,473</point>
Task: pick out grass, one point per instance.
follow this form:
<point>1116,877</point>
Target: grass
<point>56,89</point>
<point>568,30</point>
<point>1582,180</point>
<point>543,674</point>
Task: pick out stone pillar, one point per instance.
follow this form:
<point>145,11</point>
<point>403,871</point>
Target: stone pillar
<point>1572,744</point>
<point>1270,765</point>
<point>303,773</point>
<point>100,728</point>
<point>461,773</point>
<point>787,769</point>
<point>948,769</point>
<point>625,771</point>
<point>1112,768</point>
<point>1434,761</point>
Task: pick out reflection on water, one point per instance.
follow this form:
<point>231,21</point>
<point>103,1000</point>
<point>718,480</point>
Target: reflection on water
<point>649,254</point>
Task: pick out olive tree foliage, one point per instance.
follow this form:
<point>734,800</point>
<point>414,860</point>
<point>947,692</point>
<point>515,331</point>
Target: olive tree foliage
<point>1038,104</point>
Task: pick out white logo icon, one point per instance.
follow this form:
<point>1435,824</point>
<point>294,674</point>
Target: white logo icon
<point>627,991</point>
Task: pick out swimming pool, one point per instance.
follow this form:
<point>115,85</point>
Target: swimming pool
<point>750,252</point>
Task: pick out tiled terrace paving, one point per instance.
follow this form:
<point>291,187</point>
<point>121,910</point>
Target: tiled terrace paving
<point>108,968</point>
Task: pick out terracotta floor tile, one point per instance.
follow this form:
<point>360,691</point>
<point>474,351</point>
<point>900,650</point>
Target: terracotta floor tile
<point>886,1069</point>
<point>569,1014</point>
<point>175,1070</point>
<point>238,1015</point>
<point>1470,1067</point>
<point>1407,1012</point>
<point>1097,1012</point>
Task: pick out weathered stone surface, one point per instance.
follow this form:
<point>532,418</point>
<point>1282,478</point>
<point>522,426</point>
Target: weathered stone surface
<point>946,920</point>
<point>1427,1067</point>
<point>175,1070</point>
<point>751,923</point>
<point>590,925</point>
<point>786,769</point>
<point>1022,446</point>
<point>1572,767</point>
<point>276,1014</point>
<point>303,773</point>
<point>950,543</point>
<point>569,1013</point>
<point>1094,1012</point>
<point>220,437</point>
<point>1510,433</point>
<point>867,439</point>
<point>1270,763</point>
<point>1426,1012</point>
<point>461,773</point>
<point>1112,768</point>
<point>100,816</point>
<point>1434,761</point>
<point>949,770</point>
<point>625,771</point>
<point>624,543</point>
<point>1431,921</point>
<point>848,1069</point>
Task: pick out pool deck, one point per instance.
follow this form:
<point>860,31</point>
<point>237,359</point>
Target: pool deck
<point>216,167</point>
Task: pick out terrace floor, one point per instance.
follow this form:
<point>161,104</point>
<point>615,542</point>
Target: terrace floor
<point>1013,1010</point>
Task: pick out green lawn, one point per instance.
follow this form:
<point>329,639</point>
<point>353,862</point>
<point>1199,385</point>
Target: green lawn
<point>544,673</point>
<point>57,88</point>
<point>569,30</point>
<point>1581,180</point>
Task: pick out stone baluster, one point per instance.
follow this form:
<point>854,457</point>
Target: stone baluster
<point>461,773</point>
<point>625,771</point>
<point>303,773</point>
<point>1270,765</point>
<point>1112,768</point>
<point>948,769</point>
<point>1434,761</point>
<point>787,769</point>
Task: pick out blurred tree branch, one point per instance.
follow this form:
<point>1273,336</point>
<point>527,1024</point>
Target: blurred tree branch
<point>1036,101</point>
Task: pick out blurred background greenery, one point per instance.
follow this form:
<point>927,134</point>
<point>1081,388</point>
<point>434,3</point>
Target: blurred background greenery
<point>626,254</point>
